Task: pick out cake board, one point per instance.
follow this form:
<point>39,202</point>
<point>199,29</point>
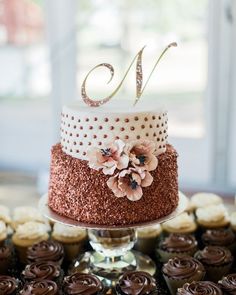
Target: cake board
<point>112,245</point>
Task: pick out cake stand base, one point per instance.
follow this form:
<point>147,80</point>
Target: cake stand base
<point>110,271</point>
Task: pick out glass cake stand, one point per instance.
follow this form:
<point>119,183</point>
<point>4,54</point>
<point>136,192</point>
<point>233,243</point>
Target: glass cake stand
<point>112,246</point>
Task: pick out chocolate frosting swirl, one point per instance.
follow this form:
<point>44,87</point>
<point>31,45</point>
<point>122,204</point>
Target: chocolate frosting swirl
<point>8,285</point>
<point>218,237</point>
<point>44,287</point>
<point>136,283</point>
<point>41,271</point>
<point>5,252</point>
<point>45,251</point>
<point>80,283</point>
<point>228,284</point>
<point>200,288</point>
<point>179,243</point>
<point>214,255</point>
<point>182,267</point>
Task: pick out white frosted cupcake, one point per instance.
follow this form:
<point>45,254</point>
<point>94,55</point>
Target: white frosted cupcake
<point>182,224</point>
<point>25,214</point>
<point>3,232</point>
<point>214,216</point>
<point>72,239</point>
<point>233,221</point>
<point>201,200</point>
<point>26,235</point>
<point>147,238</point>
<point>5,214</point>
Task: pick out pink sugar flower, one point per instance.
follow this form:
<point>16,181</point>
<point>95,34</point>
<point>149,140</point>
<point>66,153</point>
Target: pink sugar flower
<point>141,155</point>
<point>129,183</point>
<point>108,158</point>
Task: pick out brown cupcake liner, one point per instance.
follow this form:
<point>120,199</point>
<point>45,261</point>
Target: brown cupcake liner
<point>215,273</point>
<point>146,245</point>
<point>174,284</point>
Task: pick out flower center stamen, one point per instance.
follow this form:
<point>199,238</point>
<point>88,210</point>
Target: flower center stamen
<point>141,159</point>
<point>106,152</point>
<point>133,184</point>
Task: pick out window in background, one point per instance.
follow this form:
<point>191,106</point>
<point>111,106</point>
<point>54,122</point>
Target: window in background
<point>25,117</point>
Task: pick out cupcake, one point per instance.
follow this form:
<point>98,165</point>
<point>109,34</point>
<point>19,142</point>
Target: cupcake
<point>202,200</point>
<point>25,214</point>
<point>5,256</point>
<point>200,288</point>
<point>147,238</point>
<point>38,271</point>
<point>182,224</point>
<point>216,260</point>
<point>136,282</point>
<point>219,237</point>
<point>214,216</point>
<point>228,284</point>
<point>81,283</point>
<point>72,238</point>
<point>46,251</point>
<point>8,285</point>
<point>3,232</point>
<point>233,221</point>
<point>26,235</point>
<point>44,287</point>
<point>5,214</point>
<point>177,245</point>
<point>180,270</point>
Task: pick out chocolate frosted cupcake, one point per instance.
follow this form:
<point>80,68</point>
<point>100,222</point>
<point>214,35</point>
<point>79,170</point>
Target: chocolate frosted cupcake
<point>44,287</point>
<point>38,271</point>
<point>5,256</point>
<point>228,284</point>
<point>180,270</point>
<point>80,283</point>
<point>200,288</point>
<point>220,237</point>
<point>177,245</point>
<point>8,285</point>
<point>46,251</point>
<point>136,283</point>
<point>216,260</point>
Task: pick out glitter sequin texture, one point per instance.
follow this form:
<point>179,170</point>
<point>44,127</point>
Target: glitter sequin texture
<point>81,193</point>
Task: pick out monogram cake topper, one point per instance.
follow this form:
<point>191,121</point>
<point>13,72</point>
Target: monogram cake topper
<point>139,78</point>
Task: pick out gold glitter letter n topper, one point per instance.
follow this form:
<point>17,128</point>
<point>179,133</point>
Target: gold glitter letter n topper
<point>139,78</point>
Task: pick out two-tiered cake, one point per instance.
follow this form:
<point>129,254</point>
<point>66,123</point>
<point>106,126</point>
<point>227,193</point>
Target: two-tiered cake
<point>113,165</point>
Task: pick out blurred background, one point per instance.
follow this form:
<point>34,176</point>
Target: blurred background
<point>48,46</point>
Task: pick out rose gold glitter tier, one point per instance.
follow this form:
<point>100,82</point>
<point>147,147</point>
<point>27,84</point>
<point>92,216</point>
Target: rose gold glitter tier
<point>81,193</point>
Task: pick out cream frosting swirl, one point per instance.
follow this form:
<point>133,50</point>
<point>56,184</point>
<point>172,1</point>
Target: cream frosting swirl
<point>182,267</point>
<point>200,288</point>
<point>5,214</point>
<point>31,230</point>
<point>203,199</point>
<point>3,228</point>
<point>26,213</point>
<point>212,213</point>
<point>214,255</point>
<point>67,231</point>
<point>182,221</point>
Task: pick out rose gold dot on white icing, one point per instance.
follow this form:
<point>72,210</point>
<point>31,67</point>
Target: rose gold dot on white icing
<point>72,118</point>
<point>74,142</point>
<point>117,119</point>
<point>159,146</point>
<point>95,118</point>
<point>99,143</point>
<point>164,131</point>
<point>160,132</point>
<point>153,117</point>
<point>126,137</point>
<point>66,115</point>
<point>70,134</point>
<point>71,150</point>
<point>136,118</point>
<point>77,151</point>
<point>100,127</point>
<point>159,117</point>
<point>87,119</point>
<point>162,124</point>
<point>81,143</point>
<point>126,120</point>
<point>89,143</point>
<point>105,135</point>
<point>95,136</point>
<point>147,134</point>
<point>77,135</point>
<point>106,119</point>
<point>67,141</point>
<point>84,153</point>
<point>162,139</point>
<point>154,134</point>
<point>157,125</point>
<point>158,139</point>
<point>117,137</point>
<point>64,139</point>
<point>142,126</point>
<point>74,126</point>
<point>145,119</point>
<point>132,128</point>
<point>150,126</point>
<point>66,147</point>
<point>66,132</point>
<point>112,127</point>
<point>138,136</point>
<point>68,125</point>
<point>90,127</point>
<point>85,135</point>
<point>81,127</point>
<point>122,129</point>
<point>78,120</point>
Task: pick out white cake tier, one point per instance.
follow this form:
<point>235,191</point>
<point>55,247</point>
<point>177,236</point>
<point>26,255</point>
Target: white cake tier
<point>83,127</point>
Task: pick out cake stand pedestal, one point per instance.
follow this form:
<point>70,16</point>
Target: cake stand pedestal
<point>112,246</point>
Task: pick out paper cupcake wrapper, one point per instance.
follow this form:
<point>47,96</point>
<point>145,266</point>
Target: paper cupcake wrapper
<point>166,255</point>
<point>215,273</point>
<point>174,284</point>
